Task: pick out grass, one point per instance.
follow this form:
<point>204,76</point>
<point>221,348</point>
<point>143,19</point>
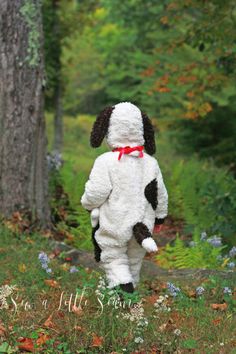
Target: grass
<point>41,316</point>
<point>190,324</point>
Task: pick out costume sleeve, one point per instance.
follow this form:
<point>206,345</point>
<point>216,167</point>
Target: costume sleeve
<point>98,186</point>
<point>162,199</point>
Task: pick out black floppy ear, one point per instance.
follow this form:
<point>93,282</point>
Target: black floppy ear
<point>100,127</point>
<point>148,134</point>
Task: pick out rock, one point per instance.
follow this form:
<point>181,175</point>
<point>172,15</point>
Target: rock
<point>77,256</point>
<point>149,268</point>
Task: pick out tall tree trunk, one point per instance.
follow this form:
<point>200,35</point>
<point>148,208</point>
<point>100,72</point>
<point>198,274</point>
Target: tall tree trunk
<point>23,164</point>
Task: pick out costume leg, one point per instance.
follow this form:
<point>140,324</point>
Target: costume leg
<point>135,254</point>
<point>113,259</point>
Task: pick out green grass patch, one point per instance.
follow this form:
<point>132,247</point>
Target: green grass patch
<point>40,309</point>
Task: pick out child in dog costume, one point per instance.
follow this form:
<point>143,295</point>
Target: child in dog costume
<point>125,193</point>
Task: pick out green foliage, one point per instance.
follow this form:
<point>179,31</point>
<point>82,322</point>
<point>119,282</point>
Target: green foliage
<point>118,326</point>
<point>200,194</point>
<point>214,137</point>
<point>78,160</point>
<point>60,20</point>
<point>203,196</point>
<point>169,53</point>
<point>30,12</point>
<point>170,58</point>
<point>201,255</point>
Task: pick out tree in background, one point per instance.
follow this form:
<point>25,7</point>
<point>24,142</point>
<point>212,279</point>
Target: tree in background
<point>176,59</point>
<point>23,165</point>
<point>52,45</point>
<point>63,22</point>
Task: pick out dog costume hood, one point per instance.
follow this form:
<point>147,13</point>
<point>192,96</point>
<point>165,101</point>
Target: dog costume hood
<point>123,124</point>
<point>126,126</point>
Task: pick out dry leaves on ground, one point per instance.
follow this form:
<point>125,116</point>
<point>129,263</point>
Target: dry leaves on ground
<point>220,307</point>
<point>52,283</point>
<point>97,341</point>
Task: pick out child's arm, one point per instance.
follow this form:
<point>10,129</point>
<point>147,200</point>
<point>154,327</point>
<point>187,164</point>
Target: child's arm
<point>98,187</point>
<point>162,199</point>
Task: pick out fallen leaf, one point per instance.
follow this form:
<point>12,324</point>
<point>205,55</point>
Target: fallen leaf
<point>60,314</point>
<point>97,341</point>
<point>162,327</point>
<point>79,328</point>
<point>151,299</point>
<point>42,339</point>
<point>29,240</point>
<point>26,344</point>
<point>216,321</point>
<point>52,283</point>
<point>56,251</point>
<point>221,307</point>
<point>49,323</point>
<point>191,293</point>
<point>77,310</point>
<point>2,330</point>
<point>22,267</point>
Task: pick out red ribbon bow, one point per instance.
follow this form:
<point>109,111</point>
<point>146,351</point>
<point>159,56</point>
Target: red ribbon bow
<point>128,150</point>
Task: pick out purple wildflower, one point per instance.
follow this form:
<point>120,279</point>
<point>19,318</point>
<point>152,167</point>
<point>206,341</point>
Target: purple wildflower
<point>200,290</point>
<point>227,290</point>
<point>192,243</point>
<point>43,257</point>
<point>44,260</point>
<point>44,265</point>
<point>173,289</point>
<point>73,269</point>
<point>231,265</point>
<point>215,241</point>
<point>232,252</point>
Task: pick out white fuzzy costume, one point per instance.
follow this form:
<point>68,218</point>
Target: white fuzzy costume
<point>117,192</point>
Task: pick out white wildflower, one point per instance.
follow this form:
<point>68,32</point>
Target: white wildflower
<point>177,331</point>
<point>5,291</point>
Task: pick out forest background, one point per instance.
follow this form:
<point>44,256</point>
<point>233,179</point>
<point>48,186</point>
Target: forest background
<point>174,59</point>
<point>61,63</point>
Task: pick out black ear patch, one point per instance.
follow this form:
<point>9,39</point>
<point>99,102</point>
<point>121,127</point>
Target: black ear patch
<point>150,192</point>
<point>148,134</point>
<point>100,127</point>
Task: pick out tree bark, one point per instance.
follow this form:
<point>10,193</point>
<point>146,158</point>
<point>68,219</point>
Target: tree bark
<point>23,164</point>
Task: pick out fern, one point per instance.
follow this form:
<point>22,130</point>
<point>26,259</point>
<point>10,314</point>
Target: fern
<point>179,255</point>
<point>203,196</point>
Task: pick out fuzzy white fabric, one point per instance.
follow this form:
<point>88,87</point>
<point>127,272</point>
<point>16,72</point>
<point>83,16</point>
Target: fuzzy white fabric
<point>94,217</point>
<point>122,264</point>
<point>126,126</point>
<point>149,244</point>
<point>116,188</point>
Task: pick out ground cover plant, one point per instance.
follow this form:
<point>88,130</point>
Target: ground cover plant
<point>39,312</point>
